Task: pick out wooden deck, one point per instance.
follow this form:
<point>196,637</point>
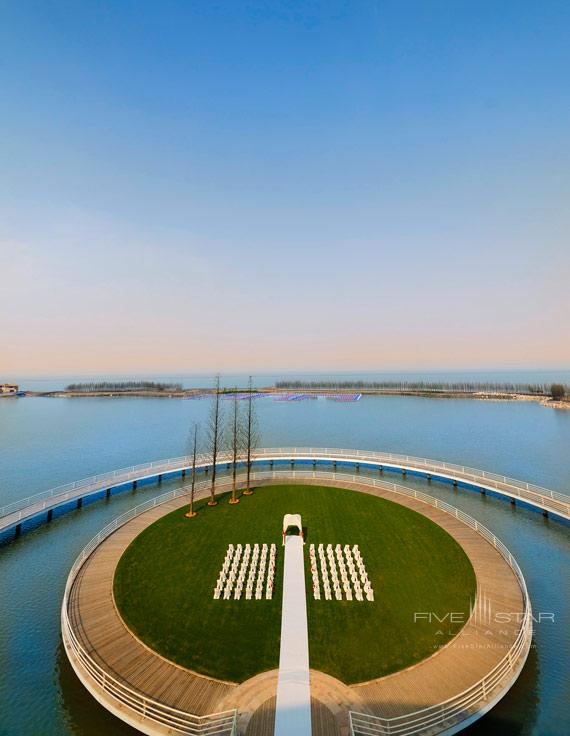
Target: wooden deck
<point>480,645</point>
<point>103,634</point>
<point>262,722</point>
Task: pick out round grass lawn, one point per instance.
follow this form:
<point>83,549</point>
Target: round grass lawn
<point>165,580</point>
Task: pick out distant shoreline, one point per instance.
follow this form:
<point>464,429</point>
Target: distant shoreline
<point>191,393</point>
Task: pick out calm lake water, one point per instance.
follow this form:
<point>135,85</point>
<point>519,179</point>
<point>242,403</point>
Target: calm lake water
<point>45,442</point>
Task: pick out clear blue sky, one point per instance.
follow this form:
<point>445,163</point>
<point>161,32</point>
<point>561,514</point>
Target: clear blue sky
<point>278,185</point>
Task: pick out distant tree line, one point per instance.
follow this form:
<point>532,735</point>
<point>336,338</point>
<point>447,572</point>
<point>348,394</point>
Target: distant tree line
<point>558,391</point>
<point>462,387</point>
<point>124,386</point>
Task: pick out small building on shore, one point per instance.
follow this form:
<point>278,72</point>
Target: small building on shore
<point>9,388</point>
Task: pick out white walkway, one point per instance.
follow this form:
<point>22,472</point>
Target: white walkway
<point>293,710</point>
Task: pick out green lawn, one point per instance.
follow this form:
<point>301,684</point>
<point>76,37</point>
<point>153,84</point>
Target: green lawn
<point>165,580</point>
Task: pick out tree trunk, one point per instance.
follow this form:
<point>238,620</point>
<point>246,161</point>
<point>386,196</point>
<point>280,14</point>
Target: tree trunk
<point>250,436</point>
<point>235,445</point>
<point>215,438</point>
<point>191,513</point>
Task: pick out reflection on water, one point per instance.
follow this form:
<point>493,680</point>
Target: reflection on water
<point>516,713</point>
<point>82,714</point>
<point>44,442</point>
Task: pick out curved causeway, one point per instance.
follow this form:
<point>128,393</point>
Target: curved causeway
<point>550,503</point>
<point>440,695</point>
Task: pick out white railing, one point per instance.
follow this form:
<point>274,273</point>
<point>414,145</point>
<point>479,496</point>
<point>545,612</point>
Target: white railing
<point>464,472</point>
<point>557,503</point>
<point>102,480</point>
<point>439,716</point>
<point>215,724</point>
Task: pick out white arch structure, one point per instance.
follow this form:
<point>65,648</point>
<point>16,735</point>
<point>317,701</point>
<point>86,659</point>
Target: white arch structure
<point>292,520</point>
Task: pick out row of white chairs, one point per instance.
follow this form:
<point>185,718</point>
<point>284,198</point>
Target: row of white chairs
<point>353,575</point>
<point>245,566</point>
<point>351,569</point>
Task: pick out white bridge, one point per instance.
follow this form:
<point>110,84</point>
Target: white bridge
<point>551,503</point>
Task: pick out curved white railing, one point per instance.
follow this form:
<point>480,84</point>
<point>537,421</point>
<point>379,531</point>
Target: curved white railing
<point>542,498</point>
<point>216,724</point>
<point>70,491</point>
<point>433,719</point>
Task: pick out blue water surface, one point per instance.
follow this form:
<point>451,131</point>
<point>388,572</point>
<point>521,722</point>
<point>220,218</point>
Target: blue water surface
<point>45,442</point>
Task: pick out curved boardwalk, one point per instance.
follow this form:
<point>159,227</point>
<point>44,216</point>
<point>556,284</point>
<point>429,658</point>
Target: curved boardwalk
<point>13,515</point>
<point>480,645</point>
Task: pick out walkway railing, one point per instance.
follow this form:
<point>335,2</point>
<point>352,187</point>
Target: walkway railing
<point>216,724</point>
<point>558,503</point>
<point>101,481</point>
<point>433,719</point>
<point>542,498</point>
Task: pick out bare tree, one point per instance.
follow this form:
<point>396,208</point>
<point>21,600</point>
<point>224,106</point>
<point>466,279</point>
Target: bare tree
<point>191,513</point>
<point>215,424</point>
<point>235,444</point>
<point>251,436</point>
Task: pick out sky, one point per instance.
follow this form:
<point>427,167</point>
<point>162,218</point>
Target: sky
<point>247,186</point>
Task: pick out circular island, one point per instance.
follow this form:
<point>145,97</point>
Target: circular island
<point>164,584</point>
<point>149,636</point>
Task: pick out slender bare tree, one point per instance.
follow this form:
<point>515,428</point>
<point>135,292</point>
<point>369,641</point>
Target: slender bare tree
<point>191,513</point>
<point>251,436</point>
<point>235,444</point>
<point>215,426</point>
